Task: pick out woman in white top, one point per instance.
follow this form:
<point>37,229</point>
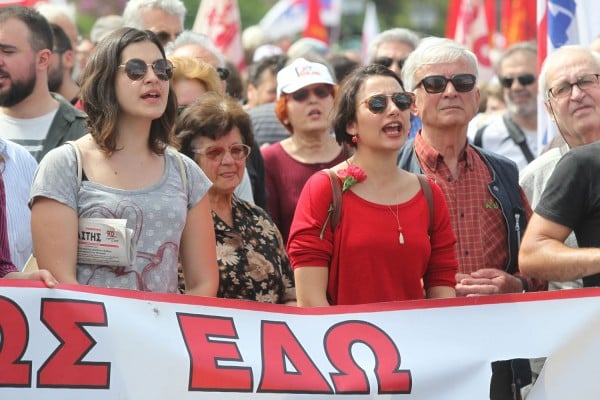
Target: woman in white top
<point>130,172</point>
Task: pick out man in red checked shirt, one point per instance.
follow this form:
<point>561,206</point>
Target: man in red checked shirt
<point>488,209</point>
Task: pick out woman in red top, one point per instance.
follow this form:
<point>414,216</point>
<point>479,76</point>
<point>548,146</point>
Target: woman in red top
<point>380,250</point>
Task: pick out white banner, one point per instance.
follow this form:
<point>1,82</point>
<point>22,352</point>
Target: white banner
<point>81,342</point>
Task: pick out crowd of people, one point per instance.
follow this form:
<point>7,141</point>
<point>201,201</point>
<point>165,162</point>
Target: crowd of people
<point>323,180</point>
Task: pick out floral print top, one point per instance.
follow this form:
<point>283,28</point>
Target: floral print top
<point>253,264</point>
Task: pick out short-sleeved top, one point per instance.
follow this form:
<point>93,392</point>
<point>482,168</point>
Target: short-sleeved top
<point>572,198</point>
<point>157,215</point>
<point>367,263</point>
<point>253,264</point>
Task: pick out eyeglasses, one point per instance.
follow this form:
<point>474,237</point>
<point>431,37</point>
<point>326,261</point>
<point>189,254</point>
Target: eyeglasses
<point>565,89</point>
<point>378,103</point>
<point>136,69</point>
<point>437,83</point>
<point>389,61</point>
<point>238,152</point>
<point>223,73</point>
<point>165,37</point>
<point>319,91</point>
<point>524,80</point>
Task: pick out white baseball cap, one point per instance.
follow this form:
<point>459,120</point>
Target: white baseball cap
<point>301,73</point>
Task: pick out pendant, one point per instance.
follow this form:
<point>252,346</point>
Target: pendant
<point>401,238</point>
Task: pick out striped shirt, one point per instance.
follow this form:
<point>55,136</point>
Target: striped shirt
<point>18,171</point>
<point>6,265</point>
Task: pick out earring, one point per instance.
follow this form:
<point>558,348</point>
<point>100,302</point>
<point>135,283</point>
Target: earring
<point>355,138</point>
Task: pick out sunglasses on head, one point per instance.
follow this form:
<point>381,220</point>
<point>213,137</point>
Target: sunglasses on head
<point>378,103</point>
<point>238,152</point>
<point>319,91</point>
<point>389,61</point>
<point>136,69</point>
<point>437,83</point>
<point>524,80</point>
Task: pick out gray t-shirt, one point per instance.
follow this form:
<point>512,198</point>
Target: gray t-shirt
<point>157,214</point>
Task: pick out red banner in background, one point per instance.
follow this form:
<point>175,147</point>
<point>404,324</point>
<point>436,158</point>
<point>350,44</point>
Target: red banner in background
<point>518,21</point>
<point>314,26</point>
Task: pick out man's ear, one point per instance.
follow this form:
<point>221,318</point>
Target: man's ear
<point>43,59</point>
<point>68,59</point>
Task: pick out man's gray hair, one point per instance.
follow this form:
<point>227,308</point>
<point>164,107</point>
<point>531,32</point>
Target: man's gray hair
<point>402,35</point>
<point>519,47</point>
<point>132,14</point>
<point>197,39</point>
<point>560,54</point>
<point>435,50</point>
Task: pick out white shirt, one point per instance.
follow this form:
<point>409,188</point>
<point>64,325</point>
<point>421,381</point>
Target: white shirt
<point>28,132</point>
<point>19,168</point>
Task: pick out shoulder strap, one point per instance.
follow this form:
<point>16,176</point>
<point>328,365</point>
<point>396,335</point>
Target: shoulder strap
<point>426,187</point>
<point>79,163</point>
<point>517,136</point>
<point>336,192</point>
<point>335,208</point>
<point>478,140</point>
<point>182,170</point>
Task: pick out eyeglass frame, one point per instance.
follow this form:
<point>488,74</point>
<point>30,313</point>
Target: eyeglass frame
<point>523,79</point>
<point>224,151</point>
<point>168,71</point>
<point>223,73</point>
<point>571,84</point>
<point>391,96</point>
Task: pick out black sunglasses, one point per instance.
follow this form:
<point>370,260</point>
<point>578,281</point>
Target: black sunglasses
<point>524,80</point>
<point>223,73</point>
<point>437,83</point>
<point>319,91</point>
<point>378,103</point>
<point>389,61</point>
<point>165,37</point>
<point>136,69</point>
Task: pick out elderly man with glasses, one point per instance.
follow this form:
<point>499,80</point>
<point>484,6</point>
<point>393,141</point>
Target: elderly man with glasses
<point>488,209</point>
<point>513,134</point>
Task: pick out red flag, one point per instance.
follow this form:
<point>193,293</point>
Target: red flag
<point>472,29</point>
<point>518,21</point>
<point>220,21</point>
<point>314,26</point>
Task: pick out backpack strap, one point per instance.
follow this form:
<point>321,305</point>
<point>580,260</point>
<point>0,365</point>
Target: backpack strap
<point>335,208</point>
<point>478,140</point>
<point>426,187</point>
<point>517,135</point>
<point>79,162</point>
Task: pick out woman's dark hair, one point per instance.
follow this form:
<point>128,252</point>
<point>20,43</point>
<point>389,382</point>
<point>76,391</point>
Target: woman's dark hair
<point>212,116</point>
<point>346,101</point>
<point>98,92</point>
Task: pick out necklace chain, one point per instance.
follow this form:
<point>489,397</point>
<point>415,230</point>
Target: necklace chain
<point>400,234</point>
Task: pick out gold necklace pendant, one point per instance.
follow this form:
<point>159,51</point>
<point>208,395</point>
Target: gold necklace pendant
<point>400,234</point>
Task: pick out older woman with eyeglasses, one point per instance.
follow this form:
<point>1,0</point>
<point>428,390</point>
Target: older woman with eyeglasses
<point>253,265</point>
<point>393,239</point>
<point>305,92</point>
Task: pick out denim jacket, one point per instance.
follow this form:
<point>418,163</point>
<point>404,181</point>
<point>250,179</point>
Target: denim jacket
<point>504,188</point>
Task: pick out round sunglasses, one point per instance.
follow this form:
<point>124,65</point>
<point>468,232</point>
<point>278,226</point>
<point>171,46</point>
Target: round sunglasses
<point>437,83</point>
<point>378,103</point>
<point>524,80</point>
<point>136,69</point>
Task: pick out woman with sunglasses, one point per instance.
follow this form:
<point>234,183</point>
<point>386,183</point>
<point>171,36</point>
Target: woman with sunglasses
<point>386,246</point>
<point>305,92</point>
<point>253,265</point>
<point>125,171</point>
